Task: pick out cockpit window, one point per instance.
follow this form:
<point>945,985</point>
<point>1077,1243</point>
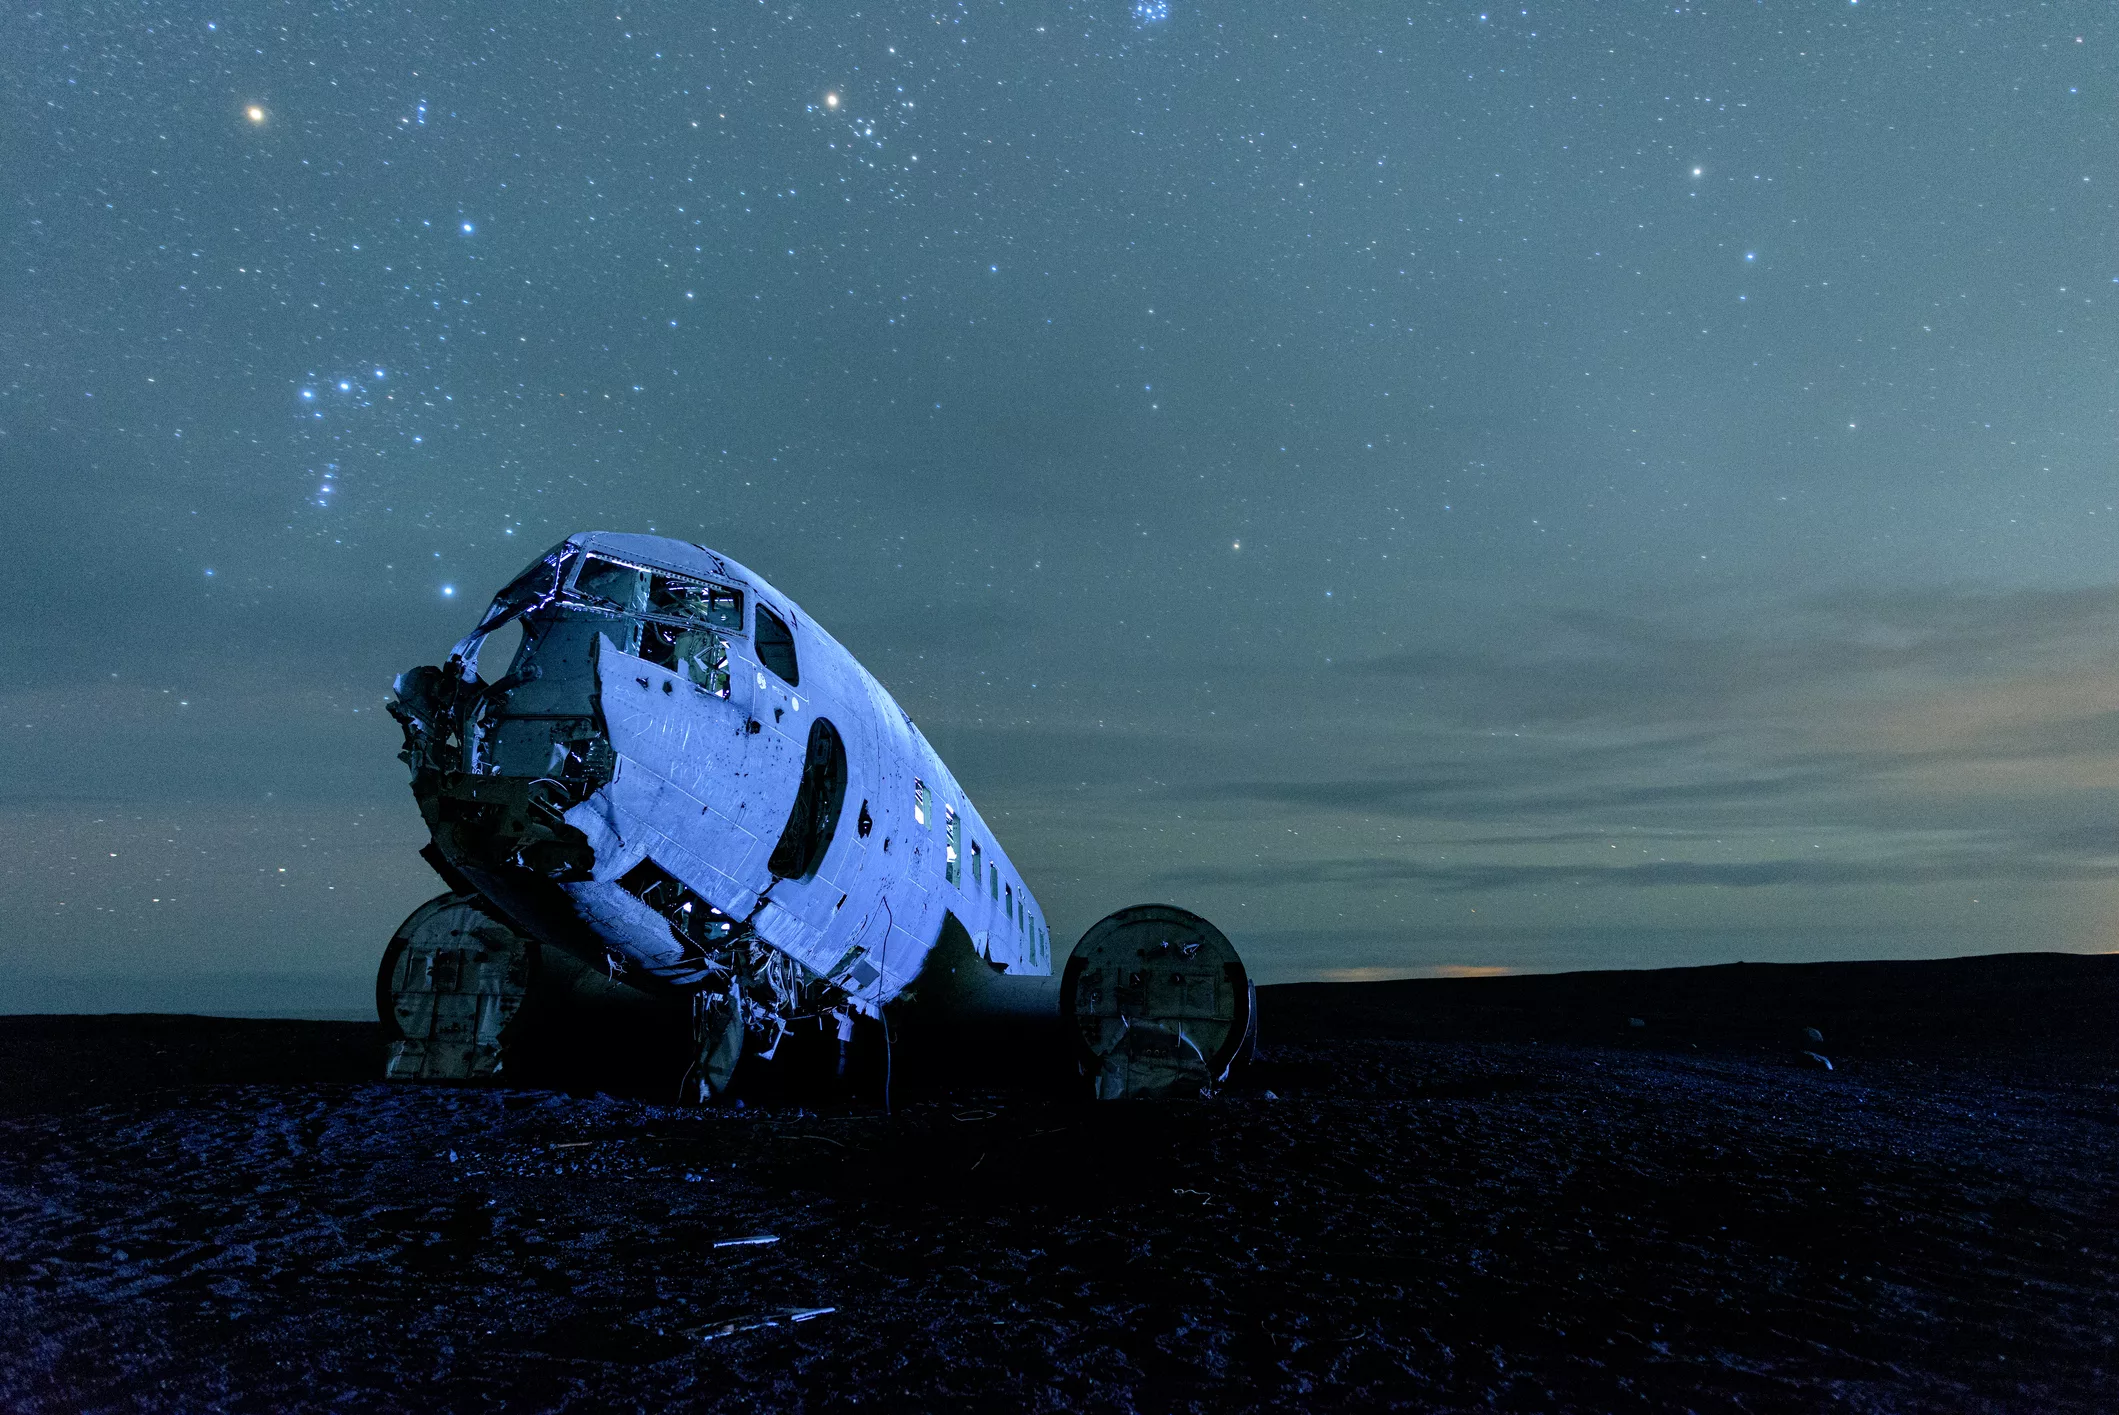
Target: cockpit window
<point>694,650</point>
<point>699,601</point>
<point>613,583</point>
<point>638,590</point>
<point>775,643</point>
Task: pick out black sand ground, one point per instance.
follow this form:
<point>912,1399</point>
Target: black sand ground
<point>1468,1195</point>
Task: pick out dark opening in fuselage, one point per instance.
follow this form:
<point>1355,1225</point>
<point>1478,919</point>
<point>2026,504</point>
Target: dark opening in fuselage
<point>815,816</point>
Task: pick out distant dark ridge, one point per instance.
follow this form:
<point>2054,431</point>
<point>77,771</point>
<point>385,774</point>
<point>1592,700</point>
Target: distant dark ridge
<point>2014,1004</point>
<point>2058,1005</point>
<point>52,1061</point>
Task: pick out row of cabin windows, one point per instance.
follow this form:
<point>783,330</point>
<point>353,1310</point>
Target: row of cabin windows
<point>952,866</point>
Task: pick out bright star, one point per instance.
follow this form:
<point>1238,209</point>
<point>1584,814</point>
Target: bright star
<point>254,113</point>
<point>307,394</point>
<point>831,100</point>
<point>467,228</point>
<point>448,591</point>
<point>344,386</point>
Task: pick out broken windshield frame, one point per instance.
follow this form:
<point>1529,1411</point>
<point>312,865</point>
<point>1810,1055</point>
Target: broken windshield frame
<point>532,589</point>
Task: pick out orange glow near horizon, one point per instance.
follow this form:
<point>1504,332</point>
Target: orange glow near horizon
<point>1385,973</point>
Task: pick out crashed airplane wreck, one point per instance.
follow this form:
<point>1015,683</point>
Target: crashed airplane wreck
<point>684,805</point>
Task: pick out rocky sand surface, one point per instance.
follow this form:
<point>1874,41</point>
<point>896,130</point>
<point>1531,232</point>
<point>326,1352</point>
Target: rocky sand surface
<point>1611,1192</point>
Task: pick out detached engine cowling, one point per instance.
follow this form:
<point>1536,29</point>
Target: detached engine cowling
<point>1157,1003</point>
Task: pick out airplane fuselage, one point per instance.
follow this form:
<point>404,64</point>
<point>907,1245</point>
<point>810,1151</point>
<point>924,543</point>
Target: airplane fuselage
<point>681,775</point>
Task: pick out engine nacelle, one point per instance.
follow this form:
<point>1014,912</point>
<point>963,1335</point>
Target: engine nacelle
<point>1156,1003</point>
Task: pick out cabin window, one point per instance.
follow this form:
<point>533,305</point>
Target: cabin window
<point>815,816</point>
<point>776,646</point>
<point>919,801</point>
<point>952,867</point>
<point>978,862</point>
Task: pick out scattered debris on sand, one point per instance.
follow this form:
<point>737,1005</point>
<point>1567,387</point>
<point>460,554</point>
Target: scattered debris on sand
<point>1372,1221</point>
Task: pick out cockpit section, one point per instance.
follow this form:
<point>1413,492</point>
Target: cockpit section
<point>500,757</point>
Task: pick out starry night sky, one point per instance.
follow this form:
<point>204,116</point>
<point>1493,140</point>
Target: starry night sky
<point>1432,489</point>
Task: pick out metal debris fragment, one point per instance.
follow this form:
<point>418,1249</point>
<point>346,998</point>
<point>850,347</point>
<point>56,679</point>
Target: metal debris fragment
<point>786,1317</point>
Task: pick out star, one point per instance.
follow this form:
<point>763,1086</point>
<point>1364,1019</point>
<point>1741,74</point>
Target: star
<point>831,100</point>
<point>254,113</point>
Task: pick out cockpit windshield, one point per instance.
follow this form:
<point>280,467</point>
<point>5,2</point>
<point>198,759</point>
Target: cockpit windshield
<point>636,589</point>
